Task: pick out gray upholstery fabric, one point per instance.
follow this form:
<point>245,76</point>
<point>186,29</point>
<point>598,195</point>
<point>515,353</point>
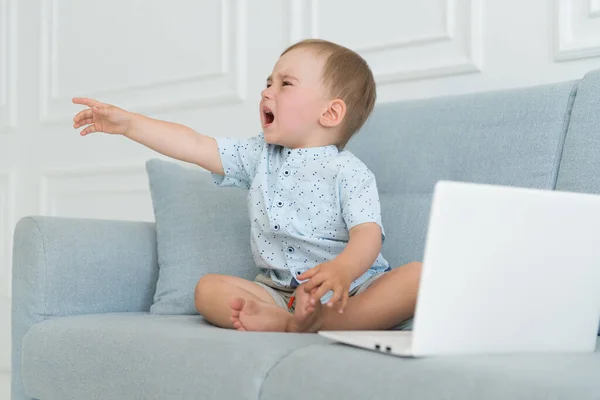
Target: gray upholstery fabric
<point>200,229</point>
<point>580,164</point>
<point>510,137</point>
<point>145,356</point>
<point>340,372</point>
<point>64,266</point>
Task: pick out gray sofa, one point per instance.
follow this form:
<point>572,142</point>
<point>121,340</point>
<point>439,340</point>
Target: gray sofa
<point>82,289</point>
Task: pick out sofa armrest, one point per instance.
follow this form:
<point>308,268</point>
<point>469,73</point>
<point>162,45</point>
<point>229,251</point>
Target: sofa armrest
<point>65,266</point>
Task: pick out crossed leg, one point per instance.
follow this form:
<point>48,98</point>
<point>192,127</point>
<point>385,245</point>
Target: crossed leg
<point>232,302</point>
<point>389,301</point>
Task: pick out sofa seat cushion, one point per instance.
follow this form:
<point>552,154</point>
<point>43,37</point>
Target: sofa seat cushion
<point>144,356</point>
<point>338,371</point>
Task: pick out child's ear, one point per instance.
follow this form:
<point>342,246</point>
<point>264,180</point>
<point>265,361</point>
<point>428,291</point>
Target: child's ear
<point>334,114</point>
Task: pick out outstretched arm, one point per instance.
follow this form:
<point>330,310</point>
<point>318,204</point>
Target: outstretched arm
<point>168,138</point>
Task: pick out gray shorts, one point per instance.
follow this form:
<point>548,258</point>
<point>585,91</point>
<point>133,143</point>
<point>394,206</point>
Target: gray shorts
<point>282,296</point>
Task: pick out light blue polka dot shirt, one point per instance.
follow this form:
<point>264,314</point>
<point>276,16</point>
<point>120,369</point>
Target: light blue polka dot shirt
<point>302,203</point>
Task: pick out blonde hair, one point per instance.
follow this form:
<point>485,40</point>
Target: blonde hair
<point>348,77</point>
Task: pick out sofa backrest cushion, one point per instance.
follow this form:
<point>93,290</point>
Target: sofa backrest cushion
<point>511,137</point>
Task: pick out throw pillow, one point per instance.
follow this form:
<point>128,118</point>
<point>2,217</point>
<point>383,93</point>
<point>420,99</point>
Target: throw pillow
<point>200,229</point>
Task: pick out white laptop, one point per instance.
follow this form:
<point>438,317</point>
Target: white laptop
<point>505,270</point>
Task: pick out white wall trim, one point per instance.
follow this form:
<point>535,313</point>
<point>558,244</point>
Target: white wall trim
<point>5,384</point>
<point>5,346</point>
<point>303,18</point>
<point>594,8</point>
<point>7,217</point>
<point>568,45</point>
<point>8,65</point>
<point>5,350</point>
<point>53,183</point>
<point>226,85</point>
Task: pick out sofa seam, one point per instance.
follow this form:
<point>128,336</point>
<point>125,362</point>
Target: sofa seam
<point>37,226</point>
<point>563,137</point>
<point>284,357</point>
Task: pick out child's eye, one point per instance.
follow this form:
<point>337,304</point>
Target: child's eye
<point>268,85</point>
<point>286,83</point>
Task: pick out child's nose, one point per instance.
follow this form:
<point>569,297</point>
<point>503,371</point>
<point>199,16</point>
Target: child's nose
<point>266,93</point>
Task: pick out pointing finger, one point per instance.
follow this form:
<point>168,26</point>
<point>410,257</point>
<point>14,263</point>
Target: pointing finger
<point>86,102</point>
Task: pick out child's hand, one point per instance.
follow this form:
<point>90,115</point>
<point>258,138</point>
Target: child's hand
<point>325,277</point>
<point>101,118</point>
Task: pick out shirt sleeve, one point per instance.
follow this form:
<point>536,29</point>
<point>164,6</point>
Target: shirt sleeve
<point>240,159</point>
<point>359,198</point>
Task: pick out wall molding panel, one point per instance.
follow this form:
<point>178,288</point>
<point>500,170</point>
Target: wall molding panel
<point>576,29</point>
<point>8,65</point>
<point>455,47</point>
<point>6,226</point>
<point>223,85</point>
<point>105,192</point>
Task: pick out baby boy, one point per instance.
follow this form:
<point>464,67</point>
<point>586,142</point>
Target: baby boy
<point>316,229</point>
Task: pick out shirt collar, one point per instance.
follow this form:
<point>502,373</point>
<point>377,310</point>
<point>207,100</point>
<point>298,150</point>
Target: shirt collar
<point>311,152</point>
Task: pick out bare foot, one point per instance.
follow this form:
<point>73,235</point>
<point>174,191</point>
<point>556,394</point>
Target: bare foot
<point>307,317</point>
<point>250,315</point>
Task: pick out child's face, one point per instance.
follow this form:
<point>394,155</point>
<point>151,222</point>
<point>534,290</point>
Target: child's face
<point>294,100</point>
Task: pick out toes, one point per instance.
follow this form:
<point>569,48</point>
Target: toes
<point>237,304</point>
<point>238,325</point>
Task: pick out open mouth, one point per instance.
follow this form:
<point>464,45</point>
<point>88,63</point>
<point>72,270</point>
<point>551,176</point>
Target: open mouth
<point>269,116</point>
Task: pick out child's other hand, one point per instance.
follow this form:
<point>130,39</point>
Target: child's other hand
<point>101,117</point>
<point>325,277</point>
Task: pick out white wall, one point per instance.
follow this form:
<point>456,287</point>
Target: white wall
<point>204,64</point>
